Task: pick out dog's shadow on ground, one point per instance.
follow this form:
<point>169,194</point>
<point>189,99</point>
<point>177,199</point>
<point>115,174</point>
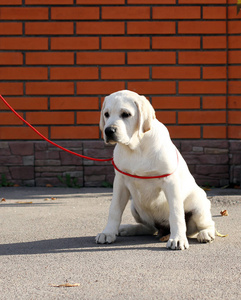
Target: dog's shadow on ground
<point>83,244</point>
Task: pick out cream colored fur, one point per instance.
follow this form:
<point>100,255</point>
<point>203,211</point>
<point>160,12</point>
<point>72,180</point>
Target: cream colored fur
<point>144,148</point>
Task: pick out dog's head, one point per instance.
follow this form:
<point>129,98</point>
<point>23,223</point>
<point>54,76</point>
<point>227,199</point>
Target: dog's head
<point>125,117</point>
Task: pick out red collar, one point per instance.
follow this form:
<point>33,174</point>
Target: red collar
<point>145,177</point>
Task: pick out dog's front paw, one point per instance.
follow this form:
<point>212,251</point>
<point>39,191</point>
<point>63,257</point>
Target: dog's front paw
<point>105,238</point>
<point>178,243</point>
<point>206,236</point>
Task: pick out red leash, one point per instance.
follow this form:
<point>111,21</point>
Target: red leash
<point>47,140</point>
<point>80,155</point>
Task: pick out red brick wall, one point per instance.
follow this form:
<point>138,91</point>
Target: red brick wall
<point>58,61</point>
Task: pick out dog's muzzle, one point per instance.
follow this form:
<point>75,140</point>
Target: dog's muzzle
<point>110,133</point>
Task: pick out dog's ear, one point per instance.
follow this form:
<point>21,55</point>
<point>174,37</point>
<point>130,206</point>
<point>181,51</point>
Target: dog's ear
<point>102,119</point>
<point>146,114</point>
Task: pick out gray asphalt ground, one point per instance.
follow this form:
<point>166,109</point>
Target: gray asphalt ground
<point>51,242</point>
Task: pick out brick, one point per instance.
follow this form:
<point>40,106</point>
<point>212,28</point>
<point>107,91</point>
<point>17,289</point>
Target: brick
<point>123,42</point>
<point>234,27</point>
<point>234,117</point>
<point>202,117</point>
<point>26,103</point>
<point>11,58</point>
<point>202,87</point>
<point>47,155</point>
<point>234,57</point>
<point>99,88</point>
<point>214,42</point>
<point>151,1</point>
<point>234,72</point>
<point>202,27</point>
<point>46,2</point>
<point>214,102</point>
<point>100,28</point>
<point>24,13</point>
<point>49,28</point>
<point>149,58</point>
<point>151,28</point>
<point>99,2</point>
<point>11,28</point>
<point>11,2</point>
<point>45,118</point>
<point>232,11</point>
<point>49,58</point>
<point>234,42</point>
<point>215,151</point>
<point>215,12</point>
<point>49,88</point>
<point>184,132</point>
<point>22,148</point>
<point>86,117</point>
<point>124,73</point>
<point>212,169</point>
<point>234,102</point>
<point>70,160</point>
<point>11,88</point>
<point>187,147</point>
<point>202,2</point>
<point>77,132</point>
<point>176,12</point>
<point>175,72</point>
<point>235,146</point>
<point>74,43</point>
<point>23,43</point>
<point>22,172</point>
<point>21,133</point>
<point>8,118</point>
<point>234,132</point>
<point>214,73</point>
<point>125,12</point>
<point>204,57</point>
<point>73,73</point>
<point>10,160</point>
<point>166,117</point>
<point>23,73</point>
<point>152,88</point>
<point>100,58</point>
<point>234,87</point>
<point>176,42</point>
<point>214,132</point>
<point>176,102</point>
<point>75,103</point>
<point>74,13</point>
<point>211,159</point>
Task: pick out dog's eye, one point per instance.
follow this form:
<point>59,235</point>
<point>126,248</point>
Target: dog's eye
<point>107,115</point>
<point>125,115</point>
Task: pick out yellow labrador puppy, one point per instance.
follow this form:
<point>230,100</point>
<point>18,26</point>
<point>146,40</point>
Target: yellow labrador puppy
<point>173,204</point>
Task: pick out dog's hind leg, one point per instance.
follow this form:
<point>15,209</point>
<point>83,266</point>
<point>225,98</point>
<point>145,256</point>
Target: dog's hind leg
<point>136,229</point>
<point>201,221</point>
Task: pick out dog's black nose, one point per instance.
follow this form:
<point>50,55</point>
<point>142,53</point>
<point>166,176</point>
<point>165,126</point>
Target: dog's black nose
<point>110,131</point>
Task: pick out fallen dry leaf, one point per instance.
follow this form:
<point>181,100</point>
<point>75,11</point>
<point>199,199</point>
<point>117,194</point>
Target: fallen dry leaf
<point>206,189</point>
<point>66,284</point>
<point>24,202</point>
<point>3,200</point>
<point>164,238</point>
<point>224,212</point>
<point>53,198</point>
<point>221,235</point>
